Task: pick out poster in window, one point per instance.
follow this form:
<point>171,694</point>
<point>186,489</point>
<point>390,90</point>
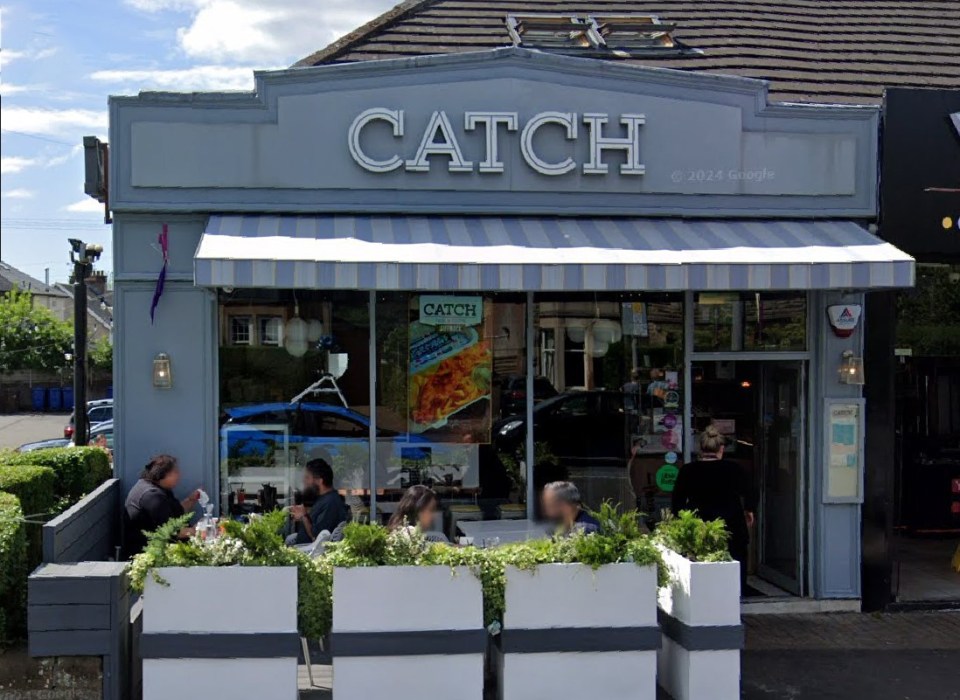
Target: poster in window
<point>451,370</point>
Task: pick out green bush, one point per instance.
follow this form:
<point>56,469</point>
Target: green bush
<point>79,469</point>
<point>13,569</point>
<point>34,488</point>
<point>693,538</point>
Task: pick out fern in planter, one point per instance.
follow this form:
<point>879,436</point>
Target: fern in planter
<point>697,540</point>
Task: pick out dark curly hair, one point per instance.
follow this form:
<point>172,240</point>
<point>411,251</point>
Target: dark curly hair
<point>158,467</point>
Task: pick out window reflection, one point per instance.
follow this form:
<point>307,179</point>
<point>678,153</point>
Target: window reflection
<point>758,321</point>
<point>612,415</point>
<point>294,386</point>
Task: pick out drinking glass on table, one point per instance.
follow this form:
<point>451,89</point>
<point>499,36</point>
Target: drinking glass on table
<point>488,542</point>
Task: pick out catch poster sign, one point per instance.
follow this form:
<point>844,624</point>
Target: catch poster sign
<point>451,369</point>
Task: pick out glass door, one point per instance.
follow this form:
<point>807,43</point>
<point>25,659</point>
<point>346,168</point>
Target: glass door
<point>781,436</point>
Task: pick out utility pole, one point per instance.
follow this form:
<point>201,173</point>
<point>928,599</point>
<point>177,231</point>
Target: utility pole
<point>82,255</point>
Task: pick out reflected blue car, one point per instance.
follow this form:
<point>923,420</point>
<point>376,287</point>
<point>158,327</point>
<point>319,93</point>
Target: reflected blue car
<point>255,430</point>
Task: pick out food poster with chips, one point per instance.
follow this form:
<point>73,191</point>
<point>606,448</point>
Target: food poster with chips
<point>450,371</point>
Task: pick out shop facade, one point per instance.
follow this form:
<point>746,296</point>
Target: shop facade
<point>398,266</point>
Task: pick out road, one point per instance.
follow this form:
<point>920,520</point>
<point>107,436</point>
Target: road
<point>19,428</point>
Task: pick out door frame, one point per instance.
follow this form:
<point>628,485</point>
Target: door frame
<point>806,358</point>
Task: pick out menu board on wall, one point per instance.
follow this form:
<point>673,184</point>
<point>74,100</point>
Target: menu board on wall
<point>451,371</point>
<point>844,451</point>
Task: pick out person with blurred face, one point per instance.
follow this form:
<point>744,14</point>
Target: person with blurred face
<point>417,508</point>
<point>151,503</point>
<point>328,509</point>
<point>563,507</point>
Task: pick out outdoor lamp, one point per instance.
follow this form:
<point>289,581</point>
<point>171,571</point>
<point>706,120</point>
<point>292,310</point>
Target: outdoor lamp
<point>162,375</point>
<point>851,369</point>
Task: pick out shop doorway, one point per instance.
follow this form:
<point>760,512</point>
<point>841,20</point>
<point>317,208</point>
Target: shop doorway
<point>761,408</point>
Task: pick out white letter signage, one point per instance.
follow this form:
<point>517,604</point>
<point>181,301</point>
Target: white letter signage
<point>440,139</point>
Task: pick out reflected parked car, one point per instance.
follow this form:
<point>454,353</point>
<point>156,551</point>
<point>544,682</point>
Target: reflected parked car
<point>317,425</point>
<point>588,427</point>
<point>98,412</point>
<point>101,434</point>
<point>44,444</point>
<point>513,399</point>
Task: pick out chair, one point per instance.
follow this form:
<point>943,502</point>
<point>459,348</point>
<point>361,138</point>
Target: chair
<point>512,511</point>
<point>460,512</point>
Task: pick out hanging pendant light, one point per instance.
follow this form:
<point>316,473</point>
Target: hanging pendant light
<point>295,333</point>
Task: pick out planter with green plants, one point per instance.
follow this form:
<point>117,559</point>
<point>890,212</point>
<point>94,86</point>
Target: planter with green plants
<point>404,617</point>
<point>579,614</point>
<point>699,611</point>
<point>223,614</point>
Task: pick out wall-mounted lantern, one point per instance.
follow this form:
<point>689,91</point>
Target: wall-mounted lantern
<point>851,369</point>
<point>162,373</point>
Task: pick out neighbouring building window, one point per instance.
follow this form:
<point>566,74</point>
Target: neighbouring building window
<point>241,330</point>
<point>271,330</point>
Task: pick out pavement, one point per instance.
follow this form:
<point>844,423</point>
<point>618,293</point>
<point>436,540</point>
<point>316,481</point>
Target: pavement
<point>853,656</point>
<point>18,428</point>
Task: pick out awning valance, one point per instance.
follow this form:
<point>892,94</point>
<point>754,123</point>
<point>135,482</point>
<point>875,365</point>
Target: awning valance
<point>496,253</point>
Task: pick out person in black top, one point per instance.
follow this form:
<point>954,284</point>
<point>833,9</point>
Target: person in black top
<point>715,487</point>
<point>328,510</point>
<point>563,507</point>
<point>151,503</point>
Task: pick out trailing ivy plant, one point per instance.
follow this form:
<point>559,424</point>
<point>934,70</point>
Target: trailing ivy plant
<point>694,538</point>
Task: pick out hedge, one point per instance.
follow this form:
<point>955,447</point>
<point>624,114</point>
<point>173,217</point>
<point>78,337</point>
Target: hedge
<point>34,488</point>
<point>13,569</point>
<point>79,469</point>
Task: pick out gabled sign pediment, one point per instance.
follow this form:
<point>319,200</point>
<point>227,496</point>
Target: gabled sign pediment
<point>501,131</point>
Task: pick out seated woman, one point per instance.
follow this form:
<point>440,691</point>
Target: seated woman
<point>418,508</point>
<point>151,503</point>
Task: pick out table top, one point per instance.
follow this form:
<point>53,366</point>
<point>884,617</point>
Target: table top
<point>505,530</point>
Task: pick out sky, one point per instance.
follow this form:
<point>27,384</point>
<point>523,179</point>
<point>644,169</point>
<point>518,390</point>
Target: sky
<point>61,59</point>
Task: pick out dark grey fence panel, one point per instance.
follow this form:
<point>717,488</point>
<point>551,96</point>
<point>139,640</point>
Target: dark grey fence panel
<point>83,609</point>
<point>88,531</point>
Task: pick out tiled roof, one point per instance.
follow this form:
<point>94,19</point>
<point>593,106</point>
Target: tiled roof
<point>835,51</point>
<point>12,277</point>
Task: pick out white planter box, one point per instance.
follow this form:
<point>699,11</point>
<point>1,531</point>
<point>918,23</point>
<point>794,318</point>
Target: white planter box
<point>570,631</point>
<point>408,633</point>
<point>221,632</point>
<point>702,631</point>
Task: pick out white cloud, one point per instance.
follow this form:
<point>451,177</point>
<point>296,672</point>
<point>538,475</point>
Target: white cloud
<point>14,164</point>
<point>263,33</point>
<point>18,193</point>
<point>39,121</point>
<point>85,206</point>
<point>9,55</point>
<point>195,78</point>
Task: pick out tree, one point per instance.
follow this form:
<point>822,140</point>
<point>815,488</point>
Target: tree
<point>101,355</point>
<point>31,337</point>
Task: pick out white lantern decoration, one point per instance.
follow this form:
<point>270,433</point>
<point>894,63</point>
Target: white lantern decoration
<point>314,330</point>
<point>576,332</point>
<point>607,331</point>
<point>295,335</point>
<point>600,348</point>
<point>297,348</point>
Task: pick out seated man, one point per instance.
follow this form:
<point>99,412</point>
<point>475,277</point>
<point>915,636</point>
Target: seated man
<point>562,506</point>
<point>328,509</point>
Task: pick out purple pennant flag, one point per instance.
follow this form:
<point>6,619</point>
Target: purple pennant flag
<point>158,292</point>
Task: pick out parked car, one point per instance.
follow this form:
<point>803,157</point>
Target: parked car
<point>577,427</point>
<point>44,444</point>
<point>101,433</point>
<point>513,398</point>
<point>306,425</point>
<point>97,412</point>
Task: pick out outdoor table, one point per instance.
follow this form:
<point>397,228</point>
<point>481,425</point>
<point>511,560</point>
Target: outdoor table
<point>505,530</point>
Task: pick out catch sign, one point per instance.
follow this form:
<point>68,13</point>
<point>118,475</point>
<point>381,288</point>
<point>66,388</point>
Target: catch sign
<point>450,310</point>
<point>605,133</point>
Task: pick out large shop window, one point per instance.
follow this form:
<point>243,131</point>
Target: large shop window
<point>609,397</point>
<point>450,369</point>
<point>294,386</point>
<point>749,321</point>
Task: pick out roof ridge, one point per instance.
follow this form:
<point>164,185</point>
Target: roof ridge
<point>364,31</point>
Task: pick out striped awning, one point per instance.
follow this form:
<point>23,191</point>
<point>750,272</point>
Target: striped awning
<point>494,253</point>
